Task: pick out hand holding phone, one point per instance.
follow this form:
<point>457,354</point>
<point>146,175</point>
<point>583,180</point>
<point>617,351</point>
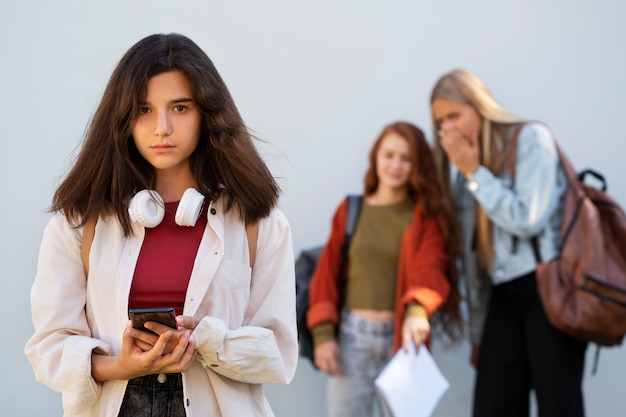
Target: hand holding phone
<point>163,315</point>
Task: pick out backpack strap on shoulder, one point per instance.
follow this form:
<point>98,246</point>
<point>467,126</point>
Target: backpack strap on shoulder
<point>354,209</point>
<point>512,161</point>
<point>252,233</point>
<point>513,152</point>
<point>89,231</point>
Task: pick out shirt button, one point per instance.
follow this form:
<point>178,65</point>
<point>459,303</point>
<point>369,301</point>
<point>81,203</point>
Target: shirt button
<point>472,185</point>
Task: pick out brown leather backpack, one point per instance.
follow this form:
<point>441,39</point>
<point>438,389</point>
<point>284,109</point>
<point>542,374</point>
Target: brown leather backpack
<point>583,291</point>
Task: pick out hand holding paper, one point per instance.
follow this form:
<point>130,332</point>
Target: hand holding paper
<point>411,384</point>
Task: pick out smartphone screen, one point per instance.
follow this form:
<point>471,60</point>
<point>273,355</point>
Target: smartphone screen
<point>163,315</point>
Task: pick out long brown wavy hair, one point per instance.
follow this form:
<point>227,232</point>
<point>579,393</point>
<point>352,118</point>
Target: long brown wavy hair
<point>424,188</point>
<point>109,170</point>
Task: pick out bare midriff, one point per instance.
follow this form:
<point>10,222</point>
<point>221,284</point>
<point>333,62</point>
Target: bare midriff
<point>374,315</point>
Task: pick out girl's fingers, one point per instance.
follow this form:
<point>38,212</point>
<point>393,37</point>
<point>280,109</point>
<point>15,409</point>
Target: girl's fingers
<point>189,356</point>
<point>159,358</point>
<point>158,328</point>
<point>415,330</point>
<point>143,336</point>
<point>187,322</point>
<point>180,358</point>
<point>143,345</point>
<point>181,347</point>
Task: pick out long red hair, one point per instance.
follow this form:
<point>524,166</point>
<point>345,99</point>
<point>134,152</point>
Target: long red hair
<point>425,188</point>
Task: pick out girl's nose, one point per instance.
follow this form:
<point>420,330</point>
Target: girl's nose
<point>163,127</point>
<point>447,125</point>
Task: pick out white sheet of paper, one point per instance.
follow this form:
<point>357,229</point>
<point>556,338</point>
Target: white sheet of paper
<point>411,383</point>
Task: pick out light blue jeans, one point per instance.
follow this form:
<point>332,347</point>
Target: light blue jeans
<point>365,347</point>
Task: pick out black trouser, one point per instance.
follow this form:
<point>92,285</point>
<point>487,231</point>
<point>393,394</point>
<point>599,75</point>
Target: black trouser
<point>154,396</point>
<point>520,351</point>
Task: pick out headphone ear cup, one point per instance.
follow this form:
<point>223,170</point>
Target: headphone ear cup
<point>189,208</point>
<point>147,208</point>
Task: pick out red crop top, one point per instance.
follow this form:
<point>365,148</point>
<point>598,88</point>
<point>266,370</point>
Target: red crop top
<point>165,262</point>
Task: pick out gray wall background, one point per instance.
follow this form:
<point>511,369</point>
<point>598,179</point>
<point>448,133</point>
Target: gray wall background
<point>317,80</point>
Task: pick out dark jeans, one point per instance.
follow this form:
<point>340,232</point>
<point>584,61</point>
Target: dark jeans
<point>520,351</point>
<point>146,396</point>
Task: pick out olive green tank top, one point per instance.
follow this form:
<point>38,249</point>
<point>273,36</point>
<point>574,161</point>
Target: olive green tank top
<point>374,253</point>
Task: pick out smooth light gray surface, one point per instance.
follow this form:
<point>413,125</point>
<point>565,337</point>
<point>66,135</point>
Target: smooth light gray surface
<point>317,80</point>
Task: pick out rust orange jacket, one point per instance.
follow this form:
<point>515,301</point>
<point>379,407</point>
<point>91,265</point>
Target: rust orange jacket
<point>423,262</point>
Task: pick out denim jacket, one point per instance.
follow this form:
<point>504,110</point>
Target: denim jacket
<point>519,210</point>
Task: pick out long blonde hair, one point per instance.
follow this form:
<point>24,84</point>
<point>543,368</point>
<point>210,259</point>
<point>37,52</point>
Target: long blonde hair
<point>462,86</point>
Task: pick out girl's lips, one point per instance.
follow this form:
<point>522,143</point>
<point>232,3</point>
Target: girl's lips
<point>162,148</point>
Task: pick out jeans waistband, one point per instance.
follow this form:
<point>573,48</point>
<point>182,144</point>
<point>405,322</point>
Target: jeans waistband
<point>164,380</point>
<point>364,325</point>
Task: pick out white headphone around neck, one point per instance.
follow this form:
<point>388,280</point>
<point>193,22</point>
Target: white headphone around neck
<point>148,209</point>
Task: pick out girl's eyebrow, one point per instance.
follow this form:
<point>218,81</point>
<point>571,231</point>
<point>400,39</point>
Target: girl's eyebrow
<point>181,100</point>
<point>174,101</point>
<point>441,119</point>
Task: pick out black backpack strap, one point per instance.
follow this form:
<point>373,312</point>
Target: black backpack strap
<point>596,359</point>
<point>353,211</point>
<point>534,243</point>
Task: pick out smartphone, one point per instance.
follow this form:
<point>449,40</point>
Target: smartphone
<point>163,315</point>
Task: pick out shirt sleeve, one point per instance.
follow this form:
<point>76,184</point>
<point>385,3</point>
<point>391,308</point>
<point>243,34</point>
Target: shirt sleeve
<point>60,349</point>
<point>524,209</point>
<point>265,348</point>
<point>324,291</point>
